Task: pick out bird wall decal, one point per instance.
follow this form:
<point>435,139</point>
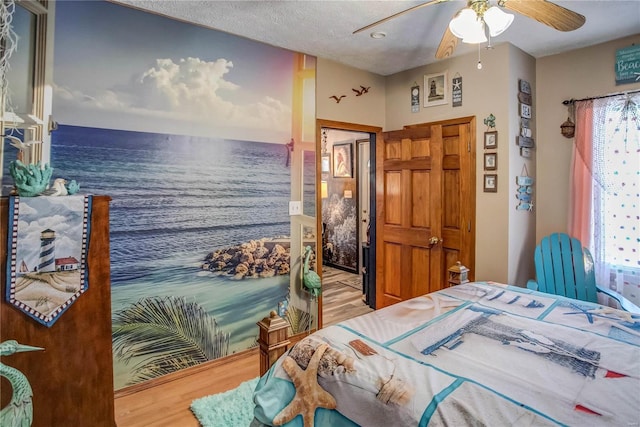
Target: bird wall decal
<point>338,99</point>
<point>362,90</point>
<point>19,411</point>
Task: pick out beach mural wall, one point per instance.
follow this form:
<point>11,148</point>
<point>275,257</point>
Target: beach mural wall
<point>186,129</point>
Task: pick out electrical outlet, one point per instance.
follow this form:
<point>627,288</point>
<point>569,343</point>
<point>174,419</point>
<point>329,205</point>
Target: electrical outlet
<point>295,208</point>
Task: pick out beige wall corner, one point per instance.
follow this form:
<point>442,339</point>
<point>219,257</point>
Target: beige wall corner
<point>522,223</point>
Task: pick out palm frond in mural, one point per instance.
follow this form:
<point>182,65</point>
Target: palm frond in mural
<point>166,334</point>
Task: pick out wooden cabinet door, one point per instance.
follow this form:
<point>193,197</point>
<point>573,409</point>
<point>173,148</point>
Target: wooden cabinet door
<point>425,204</point>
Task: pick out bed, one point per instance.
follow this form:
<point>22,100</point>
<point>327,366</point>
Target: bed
<point>480,353</point>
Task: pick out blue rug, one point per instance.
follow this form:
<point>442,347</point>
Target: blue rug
<point>233,408</point>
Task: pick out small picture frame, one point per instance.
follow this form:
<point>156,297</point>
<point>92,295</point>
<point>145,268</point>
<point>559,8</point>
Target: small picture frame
<point>491,140</point>
<point>325,163</point>
<point>525,111</point>
<point>436,89</point>
<point>490,183</point>
<point>490,161</point>
<point>342,160</point>
<point>524,86</point>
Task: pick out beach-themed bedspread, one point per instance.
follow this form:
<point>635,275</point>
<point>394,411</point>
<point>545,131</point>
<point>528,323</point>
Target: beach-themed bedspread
<point>473,354</point>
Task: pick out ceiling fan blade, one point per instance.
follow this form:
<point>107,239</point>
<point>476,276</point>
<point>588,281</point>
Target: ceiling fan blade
<point>547,13</point>
<point>447,45</point>
<point>388,18</point>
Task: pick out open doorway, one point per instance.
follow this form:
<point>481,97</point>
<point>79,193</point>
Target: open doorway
<point>346,175</point>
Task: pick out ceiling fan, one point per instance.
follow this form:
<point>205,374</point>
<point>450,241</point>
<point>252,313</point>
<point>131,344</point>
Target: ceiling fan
<point>469,23</point>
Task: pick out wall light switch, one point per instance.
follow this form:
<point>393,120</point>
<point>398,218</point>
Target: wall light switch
<point>295,208</point>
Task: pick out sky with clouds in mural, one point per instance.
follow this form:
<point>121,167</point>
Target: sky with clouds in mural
<point>120,68</point>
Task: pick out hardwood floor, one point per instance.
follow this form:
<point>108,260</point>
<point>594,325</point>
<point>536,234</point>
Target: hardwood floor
<point>341,296</point>
<point>168,404</point>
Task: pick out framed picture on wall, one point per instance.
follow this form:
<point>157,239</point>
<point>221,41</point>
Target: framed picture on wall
<point>342,160</point>
<point>491,183</point>
<point>325,164</point>
<point>490,161</point>
<point>436,89</point>
<point>491,139</point>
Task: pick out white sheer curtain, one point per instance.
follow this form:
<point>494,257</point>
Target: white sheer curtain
<point>612,161</point>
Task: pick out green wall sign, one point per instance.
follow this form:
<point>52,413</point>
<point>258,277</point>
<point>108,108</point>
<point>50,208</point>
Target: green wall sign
<point>628,65</point>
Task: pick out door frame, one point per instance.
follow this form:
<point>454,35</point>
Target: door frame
<point>375,133</point>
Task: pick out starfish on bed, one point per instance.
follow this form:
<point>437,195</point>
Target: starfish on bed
<point>309,395</point>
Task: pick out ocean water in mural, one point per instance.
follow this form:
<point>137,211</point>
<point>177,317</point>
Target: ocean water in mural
<point>174,200</point>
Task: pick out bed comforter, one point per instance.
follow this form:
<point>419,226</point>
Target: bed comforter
<point>473,354</point>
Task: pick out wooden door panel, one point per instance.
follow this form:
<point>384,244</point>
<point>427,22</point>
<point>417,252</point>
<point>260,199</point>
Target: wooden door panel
<point>411,236</point>
<point>451,202</point>
<point>450,258</point>
<point>419,149</point>
<point>391,291</point>
<point>450,143</point>
<point>451,162</point>
<point>420,270</point>
<point>393,197</point>
<point>393,150</point>
<point>428,190</point>
<point>419,209</point>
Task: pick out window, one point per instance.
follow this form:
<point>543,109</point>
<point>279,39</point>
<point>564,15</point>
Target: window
<point>25,102</point>
<point>607,149</point>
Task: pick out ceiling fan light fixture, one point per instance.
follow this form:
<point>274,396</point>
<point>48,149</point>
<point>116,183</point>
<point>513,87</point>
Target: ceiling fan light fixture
<point>468,27</point>
<point>462,21</point>
<point>497,20</point>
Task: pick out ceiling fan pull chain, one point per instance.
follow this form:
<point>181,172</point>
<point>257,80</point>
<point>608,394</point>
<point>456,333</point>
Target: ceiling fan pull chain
<point>479,62</point>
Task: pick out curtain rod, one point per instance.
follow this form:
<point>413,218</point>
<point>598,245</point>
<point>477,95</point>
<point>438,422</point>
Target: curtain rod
<point>573,101</point>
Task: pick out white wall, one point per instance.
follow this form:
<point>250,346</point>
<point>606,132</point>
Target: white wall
<point>581,73</point>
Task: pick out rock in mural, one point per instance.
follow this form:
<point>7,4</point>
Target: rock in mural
<point>253,259</point>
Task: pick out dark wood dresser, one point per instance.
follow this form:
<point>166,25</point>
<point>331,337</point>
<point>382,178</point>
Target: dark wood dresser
<point>72,379</point>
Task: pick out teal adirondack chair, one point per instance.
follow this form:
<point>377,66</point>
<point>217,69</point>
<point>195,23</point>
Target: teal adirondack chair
<point>564,267</point>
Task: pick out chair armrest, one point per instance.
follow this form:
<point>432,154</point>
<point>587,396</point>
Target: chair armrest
<point>533,285</point>
<point>624,303</point>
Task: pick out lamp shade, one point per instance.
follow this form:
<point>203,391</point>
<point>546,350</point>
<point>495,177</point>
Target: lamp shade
<point>468,27</point>
<point>463,20</point>
<point>497,20</point>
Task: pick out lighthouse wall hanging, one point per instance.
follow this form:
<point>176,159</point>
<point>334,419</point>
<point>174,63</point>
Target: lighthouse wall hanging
<point>48,245</point>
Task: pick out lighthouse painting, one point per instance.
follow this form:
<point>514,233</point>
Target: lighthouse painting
<point>48,244</point>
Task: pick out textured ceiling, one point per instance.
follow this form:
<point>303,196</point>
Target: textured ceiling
<point>325,28</point>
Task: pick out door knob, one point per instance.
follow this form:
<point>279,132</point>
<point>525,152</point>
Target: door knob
<point>434,241</point>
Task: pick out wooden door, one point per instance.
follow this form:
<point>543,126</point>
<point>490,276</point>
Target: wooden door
<point>425,207</point>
